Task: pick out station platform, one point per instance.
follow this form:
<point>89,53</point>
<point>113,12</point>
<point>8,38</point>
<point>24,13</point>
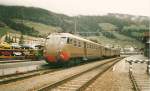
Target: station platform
<point>139,70</point>
<point>14,61</point>
<point>20,67</point>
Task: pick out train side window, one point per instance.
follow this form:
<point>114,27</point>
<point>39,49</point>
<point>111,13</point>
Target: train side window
<point>90,46</point>
<point>75,43</point>
<point>79,44</point>
<point>69,41</point>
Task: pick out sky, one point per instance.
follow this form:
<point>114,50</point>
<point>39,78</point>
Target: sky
<point>87,7</point>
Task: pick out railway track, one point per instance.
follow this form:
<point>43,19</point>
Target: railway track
<point>78,82</point>
<point>143,81</point>
<point>20,76</point>
<point>14,61</point>
<point>15,77</point>
<point>140,82</point>
<point>133,81</point>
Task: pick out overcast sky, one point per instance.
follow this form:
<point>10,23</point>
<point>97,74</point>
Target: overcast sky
<point>88,7</point>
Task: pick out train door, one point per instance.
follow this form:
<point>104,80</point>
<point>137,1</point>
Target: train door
<point>100,51</point>
<point>85,51</point>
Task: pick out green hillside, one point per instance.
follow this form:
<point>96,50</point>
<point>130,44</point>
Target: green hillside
<point>5,29</point>
<point>114,28</point>
<point>120,40</point>
<point>43,29</point>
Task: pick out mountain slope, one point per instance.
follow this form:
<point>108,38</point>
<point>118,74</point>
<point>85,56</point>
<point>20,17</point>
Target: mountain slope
<point>38,22</point>
<point>43,29</point>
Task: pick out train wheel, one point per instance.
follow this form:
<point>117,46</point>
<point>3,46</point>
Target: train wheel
<point>70,63</point>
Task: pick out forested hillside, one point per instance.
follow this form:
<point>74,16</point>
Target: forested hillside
<point>39,22</point>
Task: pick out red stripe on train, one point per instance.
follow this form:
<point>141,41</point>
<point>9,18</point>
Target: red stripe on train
<point>50,58</point>
<point>64,56</point>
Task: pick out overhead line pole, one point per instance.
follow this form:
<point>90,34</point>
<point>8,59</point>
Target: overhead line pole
<point>75,25</point>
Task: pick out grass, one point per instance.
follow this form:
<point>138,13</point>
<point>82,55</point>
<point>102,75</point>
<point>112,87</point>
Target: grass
<point>42,28</point>
<point>127,41</point>
<point>4,30</point>
<point>120,40</point>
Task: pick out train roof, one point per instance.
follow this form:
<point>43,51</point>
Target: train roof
<point>68,35</point>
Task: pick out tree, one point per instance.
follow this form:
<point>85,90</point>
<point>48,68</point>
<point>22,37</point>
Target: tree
<point>15,39</point>
<point>8,39</point>
<point>108,26</point>
<point>21,39</point>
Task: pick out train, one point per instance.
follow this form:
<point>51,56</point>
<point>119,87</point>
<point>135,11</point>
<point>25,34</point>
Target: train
<point>66,48</point>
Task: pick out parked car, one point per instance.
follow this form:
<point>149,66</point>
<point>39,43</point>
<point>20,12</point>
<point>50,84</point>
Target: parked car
<point>5,45</point>
<point>15,46</point>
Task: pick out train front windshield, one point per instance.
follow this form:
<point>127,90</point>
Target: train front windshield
<point>56,40</point>
<point>64,39</point>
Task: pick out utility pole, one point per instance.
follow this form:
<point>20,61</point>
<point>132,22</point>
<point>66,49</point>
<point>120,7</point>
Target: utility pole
<point>15,39</point>
<point>75,25</point>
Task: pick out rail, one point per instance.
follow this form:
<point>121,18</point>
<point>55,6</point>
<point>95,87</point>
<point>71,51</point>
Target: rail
<point>15,77</point>
<point>134,84</point>
<point>65,80</point>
